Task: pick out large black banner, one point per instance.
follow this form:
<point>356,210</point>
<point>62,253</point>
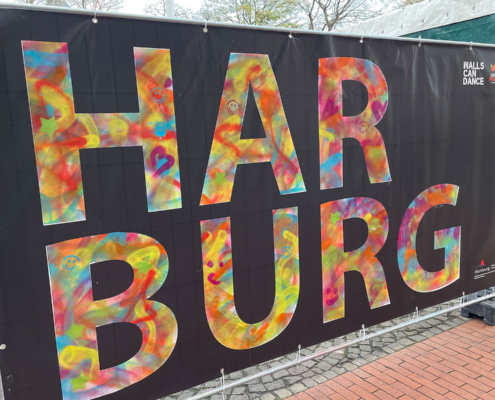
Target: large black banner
<point>175,201</point>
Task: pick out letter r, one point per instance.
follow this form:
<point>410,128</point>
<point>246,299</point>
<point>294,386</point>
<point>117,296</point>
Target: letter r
<point>336,262</point>
<point>334,126</point>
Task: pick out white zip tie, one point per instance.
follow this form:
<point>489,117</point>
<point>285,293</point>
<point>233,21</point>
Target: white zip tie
<point>420,41</point>
<point>471,47</point>
<point>298,355</point>
<point>222,383</point>
<point>205,29</point>
<point>362,39</point>
<point>95,20</point>
<point>290,35</point>
<point>363,331</point>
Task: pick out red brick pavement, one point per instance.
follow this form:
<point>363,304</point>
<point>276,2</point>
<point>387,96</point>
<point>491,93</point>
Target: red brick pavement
<point>454,365</point>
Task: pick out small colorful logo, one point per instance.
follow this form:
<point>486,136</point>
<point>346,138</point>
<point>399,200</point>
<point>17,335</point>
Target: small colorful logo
<point>363,126</point>
<point>158,95</point>
<point>492,74</point>
<point>482,263</point>
<point>71,262</point>
<point>286,252</point>
<point>233,107</point>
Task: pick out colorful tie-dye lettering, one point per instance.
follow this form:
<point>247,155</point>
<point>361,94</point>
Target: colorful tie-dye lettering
<point>228,149</point>
<point>334,126</point>
<point>76,315</point>
<point>335,261</point>
<point>59,133</point>
<point>218,279</point>
<point>413,274</point>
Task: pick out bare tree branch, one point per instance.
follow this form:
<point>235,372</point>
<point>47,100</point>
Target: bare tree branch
<point>104,5</point>
<point>327,15</point>
<point>159,8</point>
<point>282,13</point>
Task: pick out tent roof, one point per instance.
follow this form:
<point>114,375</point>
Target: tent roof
<point>422,16</point>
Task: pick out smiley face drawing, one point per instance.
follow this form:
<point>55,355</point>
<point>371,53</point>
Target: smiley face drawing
<point>233,107</point>
<point>158,95</point>
<point>363,126</point>
<point>286,252</point>
<point>70,262</point>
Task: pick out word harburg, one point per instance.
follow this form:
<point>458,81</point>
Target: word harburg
<point>470,73</point>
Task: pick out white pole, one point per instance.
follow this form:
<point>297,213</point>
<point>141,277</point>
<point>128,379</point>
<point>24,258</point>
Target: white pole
<point>169,8</point>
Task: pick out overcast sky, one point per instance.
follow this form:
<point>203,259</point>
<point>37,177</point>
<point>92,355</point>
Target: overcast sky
<point>136,6</point>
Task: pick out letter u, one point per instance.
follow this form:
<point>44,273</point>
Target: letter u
<point>224,321</point>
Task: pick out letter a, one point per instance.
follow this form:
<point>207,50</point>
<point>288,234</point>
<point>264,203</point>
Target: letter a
<point>334,126</point>
<point>76,315</point>
<point>336,261</point>
<point>59,133</point>
<point>228,149</point>
<point>218,279</point>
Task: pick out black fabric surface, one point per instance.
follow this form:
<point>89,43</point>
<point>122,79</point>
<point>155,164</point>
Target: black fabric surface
<point>435,129</point>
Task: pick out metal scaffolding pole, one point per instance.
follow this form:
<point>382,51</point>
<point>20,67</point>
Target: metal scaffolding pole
<point>170,8</point>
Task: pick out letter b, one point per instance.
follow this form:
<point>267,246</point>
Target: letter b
<point>76,315</point>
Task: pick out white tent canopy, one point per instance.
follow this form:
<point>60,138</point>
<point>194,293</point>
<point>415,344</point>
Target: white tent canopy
<point>422,16</point>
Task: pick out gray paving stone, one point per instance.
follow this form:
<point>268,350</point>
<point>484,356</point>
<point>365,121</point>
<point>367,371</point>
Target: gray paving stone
<point>396,346</point>
<point>405,342</point>
<point>267,379</point>
<point>283,393</point>
<point>360,362</point>
<point>323,365</point>
<point>300,369</point>
<point>292,379</point>
<point>239,390</point>
<point>319,378</point>
<point>239,397</point>
<point>309,363</point>
<point>308,374</point>
<point>280,374</point>
<point>275,385</point>
<point>349,366</point>
<point>257,388</point>
<point>297,388</point>
<point>309,383</point>
<point>329,374</point>
<point>268,396</point>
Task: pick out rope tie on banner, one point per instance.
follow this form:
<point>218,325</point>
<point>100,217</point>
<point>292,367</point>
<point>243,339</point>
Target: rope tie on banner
<point>222,384</point>
<point>363,332</point>
<point>362,39</point>
<point>471,47</point>
<point>205,29</point>
<point>420,41</point>
<point>95,20</point>
<point>290,34</point>
<point>298,355</point>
